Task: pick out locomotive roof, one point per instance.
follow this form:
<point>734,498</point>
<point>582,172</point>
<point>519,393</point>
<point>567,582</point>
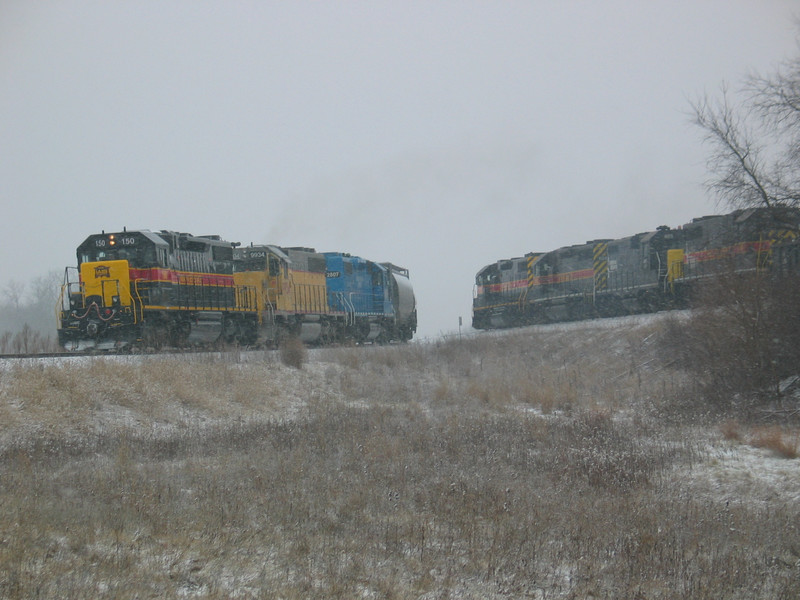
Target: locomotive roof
<point>155,238</point>
<point>279,253</point>
<point>395,269</point>
<point>269,247</point>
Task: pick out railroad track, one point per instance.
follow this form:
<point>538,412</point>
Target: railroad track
<point>41,355</point>
<point>173,351</point>
<point>37,355</point>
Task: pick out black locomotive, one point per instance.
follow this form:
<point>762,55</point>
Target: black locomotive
<point>646,272</point>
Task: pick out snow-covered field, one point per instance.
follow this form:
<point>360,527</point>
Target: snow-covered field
<point>566,461</point>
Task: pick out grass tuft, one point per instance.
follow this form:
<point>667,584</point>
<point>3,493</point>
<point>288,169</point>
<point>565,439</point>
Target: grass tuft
<point>774,438</point>
<point>293,353</point>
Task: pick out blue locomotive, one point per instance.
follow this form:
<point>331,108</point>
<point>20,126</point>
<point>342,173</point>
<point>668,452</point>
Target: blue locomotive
<point>378,295</point>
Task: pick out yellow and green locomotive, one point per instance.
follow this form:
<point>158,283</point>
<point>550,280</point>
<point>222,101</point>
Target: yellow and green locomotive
<point>155,289</point>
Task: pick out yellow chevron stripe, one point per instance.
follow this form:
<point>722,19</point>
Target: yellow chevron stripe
<point>600,265</point>
<point>531,258</point>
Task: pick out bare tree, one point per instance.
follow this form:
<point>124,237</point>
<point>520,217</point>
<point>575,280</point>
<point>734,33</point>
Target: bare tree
<point>776,100</point>
<point>5,341</point>
<point>44,290</point>
<point>13,293</point>
<point>743,338</point>
<point>23,340</point>
<point>755,143</point>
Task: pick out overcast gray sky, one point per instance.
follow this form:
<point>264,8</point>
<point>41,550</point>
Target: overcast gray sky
<point>440,136</point>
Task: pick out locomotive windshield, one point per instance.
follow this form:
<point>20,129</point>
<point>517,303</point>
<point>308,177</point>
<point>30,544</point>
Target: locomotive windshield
<point>137,257</point>
<point>137,250</point>
<point>250,260</point>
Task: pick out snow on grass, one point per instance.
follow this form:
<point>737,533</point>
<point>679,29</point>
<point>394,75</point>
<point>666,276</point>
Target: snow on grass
<point>550,462</point>
<point>735,472</point>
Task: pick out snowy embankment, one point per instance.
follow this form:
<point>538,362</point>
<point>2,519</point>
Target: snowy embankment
<point>562,461</point>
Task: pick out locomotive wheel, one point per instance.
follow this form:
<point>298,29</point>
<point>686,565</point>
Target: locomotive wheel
<point>153,336</point>
<point>179,332</point>
<point>230,330</point>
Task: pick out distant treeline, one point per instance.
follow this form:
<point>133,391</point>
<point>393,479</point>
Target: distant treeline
<point>28,315</point>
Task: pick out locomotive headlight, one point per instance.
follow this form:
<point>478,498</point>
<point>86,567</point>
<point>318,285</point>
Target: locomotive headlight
<point>111,240</point>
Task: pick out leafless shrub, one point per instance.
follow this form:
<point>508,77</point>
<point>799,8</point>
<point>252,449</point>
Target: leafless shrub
<point>293,352</point>
<point>742,340</point>
<point>26,341</point>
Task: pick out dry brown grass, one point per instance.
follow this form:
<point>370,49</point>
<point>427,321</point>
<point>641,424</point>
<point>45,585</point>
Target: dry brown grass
<point>781,440</point>
<point>776,439</point>
<point>539,464</point>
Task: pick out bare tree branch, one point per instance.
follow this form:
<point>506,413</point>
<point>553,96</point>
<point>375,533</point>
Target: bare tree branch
<point>755,145</point>
<point>739,176</point>
<point>776,101</point>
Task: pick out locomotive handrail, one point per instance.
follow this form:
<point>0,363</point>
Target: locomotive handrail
<point>66,274</point>
<point>137,303</point>
<point>358,301</point>
<point>522,297</point>
<point>59,307</point>
<point>763,256</point>
<point>269,308</point>
<point>349,308</point>
<point>66,286</point>
<point>81,291</point>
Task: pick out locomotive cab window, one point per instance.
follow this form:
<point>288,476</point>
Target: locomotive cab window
<point>137,257</point>
<point>489,278</point>
<point>222,253</point>
<point>274,266</point>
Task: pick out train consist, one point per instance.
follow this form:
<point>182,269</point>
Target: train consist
<point>157,289</point>
<point>647,272</point>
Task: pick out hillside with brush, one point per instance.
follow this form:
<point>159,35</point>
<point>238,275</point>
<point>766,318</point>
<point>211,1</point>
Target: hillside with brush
<point>562,461</point>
